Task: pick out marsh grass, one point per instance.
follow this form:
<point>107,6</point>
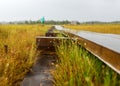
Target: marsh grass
<point>21,54</point>
<point>102,28</point>
<point>78,67</point>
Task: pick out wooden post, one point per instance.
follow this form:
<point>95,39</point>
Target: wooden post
<point>6,48</point>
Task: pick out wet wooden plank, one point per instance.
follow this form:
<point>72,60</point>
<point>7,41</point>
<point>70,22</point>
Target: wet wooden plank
<point>48,43</point>
<point>104,46</point>
<point>40,74</point>
<point>111,58</point>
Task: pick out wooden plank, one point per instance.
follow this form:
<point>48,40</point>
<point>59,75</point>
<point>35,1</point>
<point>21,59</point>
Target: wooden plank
<point>48,43</point>
<point>108,52</point>
<point>108,56</point>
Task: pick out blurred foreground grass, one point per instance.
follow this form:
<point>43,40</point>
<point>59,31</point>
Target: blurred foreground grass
<point>16,62</point>
<point>78,67</point>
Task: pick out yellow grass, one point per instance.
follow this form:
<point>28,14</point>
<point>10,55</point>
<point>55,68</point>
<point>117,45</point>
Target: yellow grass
<point>20,40</point>
<point>103,28</point>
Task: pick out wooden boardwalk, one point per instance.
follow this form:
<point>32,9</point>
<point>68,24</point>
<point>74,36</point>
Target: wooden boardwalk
<point>104,46</point>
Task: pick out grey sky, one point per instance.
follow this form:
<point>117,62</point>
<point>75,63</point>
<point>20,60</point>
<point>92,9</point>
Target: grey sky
<point>81,10</point>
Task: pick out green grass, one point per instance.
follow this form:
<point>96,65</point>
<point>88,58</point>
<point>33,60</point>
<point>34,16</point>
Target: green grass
<point>78,67</point>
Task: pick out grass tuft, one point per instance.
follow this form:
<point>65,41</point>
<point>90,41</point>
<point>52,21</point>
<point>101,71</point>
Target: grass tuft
<point>78,67</point>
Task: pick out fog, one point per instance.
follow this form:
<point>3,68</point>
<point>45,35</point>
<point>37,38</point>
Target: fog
<point>80,10</point>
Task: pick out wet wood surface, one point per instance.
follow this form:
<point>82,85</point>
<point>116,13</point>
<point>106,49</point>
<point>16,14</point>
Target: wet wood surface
<point>104,46</point>
<point>40,73</point>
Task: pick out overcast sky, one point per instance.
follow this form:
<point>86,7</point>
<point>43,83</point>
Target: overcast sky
<point>81,10</point>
